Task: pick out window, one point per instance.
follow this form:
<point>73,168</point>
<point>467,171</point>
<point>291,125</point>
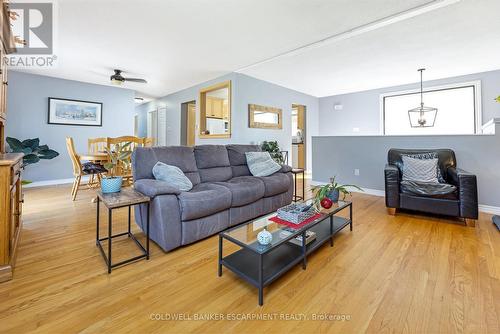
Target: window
<point>459,110</point>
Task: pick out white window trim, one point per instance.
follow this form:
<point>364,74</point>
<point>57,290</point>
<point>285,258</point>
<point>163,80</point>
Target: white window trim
<point>477,102</point>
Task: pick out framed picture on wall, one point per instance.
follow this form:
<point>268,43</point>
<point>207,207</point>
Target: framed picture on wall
<point>74,112</point>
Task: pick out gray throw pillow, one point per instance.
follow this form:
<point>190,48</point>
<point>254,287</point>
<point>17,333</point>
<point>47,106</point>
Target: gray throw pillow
<point>424,155</point>
<point>261,163</point>
<point>422,170</point>
<point>172,175</point>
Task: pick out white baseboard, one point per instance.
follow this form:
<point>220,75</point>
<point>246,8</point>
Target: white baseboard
<point>494,210</point>
<point>53,182</point>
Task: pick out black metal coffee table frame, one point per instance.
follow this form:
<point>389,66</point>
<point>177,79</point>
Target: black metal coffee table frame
<point>262,268</point>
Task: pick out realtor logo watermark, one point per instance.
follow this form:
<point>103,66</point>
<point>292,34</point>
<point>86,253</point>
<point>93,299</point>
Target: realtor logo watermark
<point>33,26</point>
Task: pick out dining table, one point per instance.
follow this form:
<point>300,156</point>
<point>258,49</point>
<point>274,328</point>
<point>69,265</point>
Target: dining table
<point>95,156</point>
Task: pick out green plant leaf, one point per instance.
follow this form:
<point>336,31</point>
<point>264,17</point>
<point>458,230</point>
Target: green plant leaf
<point>498,99</point>
<point>47,154</point>
<point>31,143</point>
<point>15,144</point>
<point>29,159</point>
<point>27,150</point>
<point>25,182</point>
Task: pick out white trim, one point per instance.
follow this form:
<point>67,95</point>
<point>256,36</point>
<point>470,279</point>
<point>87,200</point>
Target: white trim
<point>53,182</point>
<point>362,29</point>
<point>477,102</point>
<point>494,210</point>
<point>367,191</point>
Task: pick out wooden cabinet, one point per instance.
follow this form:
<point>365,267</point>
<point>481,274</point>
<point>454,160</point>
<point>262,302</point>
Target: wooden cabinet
<point>216,107</point>
<point>10,211</point>
<point>10,166</point>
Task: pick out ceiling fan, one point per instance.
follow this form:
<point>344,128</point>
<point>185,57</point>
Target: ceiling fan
<point>118,79</point>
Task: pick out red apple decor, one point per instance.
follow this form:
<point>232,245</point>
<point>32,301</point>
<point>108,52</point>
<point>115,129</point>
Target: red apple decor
<point>326,203</point>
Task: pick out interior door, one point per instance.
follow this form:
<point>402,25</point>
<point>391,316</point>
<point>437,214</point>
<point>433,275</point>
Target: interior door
<point>191,124</point>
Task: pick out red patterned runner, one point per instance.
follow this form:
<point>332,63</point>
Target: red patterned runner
<point>292,225</point>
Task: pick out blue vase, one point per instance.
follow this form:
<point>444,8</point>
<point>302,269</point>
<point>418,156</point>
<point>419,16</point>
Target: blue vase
<point>334,195</point>
<point>111,184</point>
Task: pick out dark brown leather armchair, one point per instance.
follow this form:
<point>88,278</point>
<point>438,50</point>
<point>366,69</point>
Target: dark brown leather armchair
<point>460,202</point>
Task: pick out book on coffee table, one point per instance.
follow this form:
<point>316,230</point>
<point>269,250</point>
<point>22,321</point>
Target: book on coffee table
<point>310,237</point>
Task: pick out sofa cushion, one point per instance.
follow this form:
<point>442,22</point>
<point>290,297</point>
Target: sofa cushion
<point>275,184</point>
<point>208,156</point>
<point>144,159</point>
<point>203,200</point>
<point>261,163</point>
<point>152,188</point>
<point>432,189</point>
<point>172,175</point>
<point>236,153</point>
<point>238,159</point>
<point>244,189</point>
<point>213,163</point>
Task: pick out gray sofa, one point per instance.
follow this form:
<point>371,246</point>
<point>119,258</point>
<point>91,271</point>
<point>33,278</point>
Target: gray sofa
<point>224,192</point>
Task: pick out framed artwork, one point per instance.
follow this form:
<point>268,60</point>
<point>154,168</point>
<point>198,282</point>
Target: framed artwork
<point>74,112</point>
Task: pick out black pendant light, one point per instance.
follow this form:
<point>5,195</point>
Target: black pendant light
<point>422,117</point>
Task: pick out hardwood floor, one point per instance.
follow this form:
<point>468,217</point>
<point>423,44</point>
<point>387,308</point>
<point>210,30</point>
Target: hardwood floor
<point>403,273</point>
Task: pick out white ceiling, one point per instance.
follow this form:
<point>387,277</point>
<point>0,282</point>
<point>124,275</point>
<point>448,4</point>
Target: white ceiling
<point>175,44</point>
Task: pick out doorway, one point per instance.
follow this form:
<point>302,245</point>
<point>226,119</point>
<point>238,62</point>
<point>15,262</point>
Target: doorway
<point>299,136</point>
<point>188,122</point>
<point>157,126</point>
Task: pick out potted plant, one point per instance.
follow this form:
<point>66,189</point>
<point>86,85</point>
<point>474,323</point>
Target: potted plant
<point>274,151</point>
<point>329,193</point>
<point>33,151</point>
<point>119,158</point>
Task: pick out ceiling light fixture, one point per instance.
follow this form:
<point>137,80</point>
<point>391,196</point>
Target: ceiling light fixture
<point>422,117</point>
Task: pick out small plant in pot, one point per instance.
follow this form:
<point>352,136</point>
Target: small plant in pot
<point>328,194</point>
<point>119,159</point>
<point>274,151</point>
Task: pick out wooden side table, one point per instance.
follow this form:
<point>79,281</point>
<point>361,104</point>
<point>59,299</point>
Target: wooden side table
<point>125,198</point>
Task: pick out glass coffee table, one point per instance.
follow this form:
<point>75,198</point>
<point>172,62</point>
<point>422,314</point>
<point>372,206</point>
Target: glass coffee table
<point>259,264</point>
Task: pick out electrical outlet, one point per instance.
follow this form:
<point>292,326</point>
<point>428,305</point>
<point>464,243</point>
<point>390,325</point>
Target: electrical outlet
<point>355,129</point>
<point>356,172</point>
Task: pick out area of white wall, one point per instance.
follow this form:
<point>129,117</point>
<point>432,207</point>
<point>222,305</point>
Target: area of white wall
<point>361,110</point>
<point>245,90</point>
<point>27,118</point>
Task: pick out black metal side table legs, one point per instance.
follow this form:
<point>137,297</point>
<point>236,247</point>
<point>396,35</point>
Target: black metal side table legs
<point>295,172</point>
<point>108,257</point>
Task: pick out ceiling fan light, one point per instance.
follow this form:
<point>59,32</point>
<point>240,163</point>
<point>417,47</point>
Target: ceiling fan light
<point>116,82</point>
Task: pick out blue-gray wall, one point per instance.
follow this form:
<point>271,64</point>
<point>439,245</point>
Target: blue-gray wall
<point>245,90</point>
<point>340,155</point>
<point>362,109</point>
<point>27,118</point>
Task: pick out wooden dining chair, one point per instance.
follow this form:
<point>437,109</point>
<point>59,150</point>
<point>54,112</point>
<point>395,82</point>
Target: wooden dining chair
<point>148,142</point>
<point>125,170</point>
<point>97,145</point>
<point>79,170</point>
